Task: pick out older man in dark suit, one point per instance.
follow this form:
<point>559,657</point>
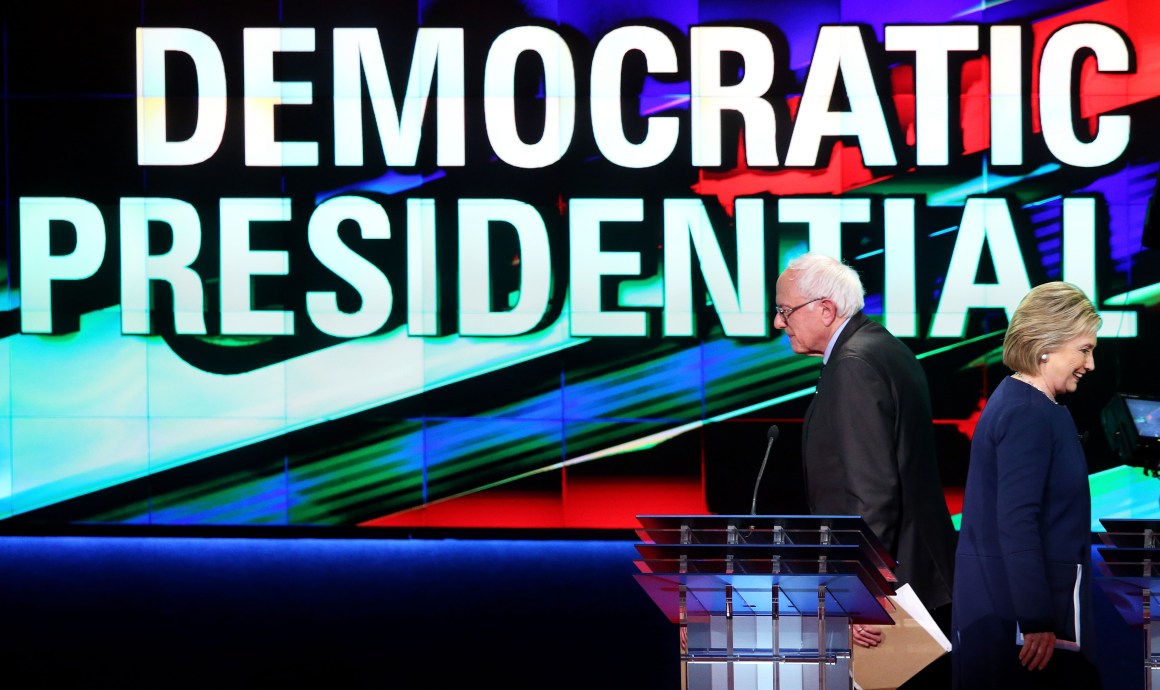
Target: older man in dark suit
<point>868,438</point>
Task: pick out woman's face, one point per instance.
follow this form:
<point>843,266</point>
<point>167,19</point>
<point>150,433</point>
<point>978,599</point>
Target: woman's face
<point>1067,365</point>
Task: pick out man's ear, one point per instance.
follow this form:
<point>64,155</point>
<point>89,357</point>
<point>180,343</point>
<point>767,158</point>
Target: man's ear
<point>829,312</point>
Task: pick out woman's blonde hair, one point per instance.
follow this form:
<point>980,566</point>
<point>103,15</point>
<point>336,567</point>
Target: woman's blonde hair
<point>1046,318</point>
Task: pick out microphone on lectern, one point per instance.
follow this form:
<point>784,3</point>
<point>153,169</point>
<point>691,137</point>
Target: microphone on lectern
<point>773,432</point>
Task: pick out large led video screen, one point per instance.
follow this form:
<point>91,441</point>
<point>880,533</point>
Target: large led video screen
<point>478,263</point>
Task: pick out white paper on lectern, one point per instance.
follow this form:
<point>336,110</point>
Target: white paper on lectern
<point>905,597</point>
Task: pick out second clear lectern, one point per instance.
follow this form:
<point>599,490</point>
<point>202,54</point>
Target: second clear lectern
<point>1129,572</point>
<point>765,601</point>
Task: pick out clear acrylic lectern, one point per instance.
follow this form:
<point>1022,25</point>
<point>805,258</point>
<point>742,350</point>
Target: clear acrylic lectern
<point>1129,573</point>
<point>765,601</point>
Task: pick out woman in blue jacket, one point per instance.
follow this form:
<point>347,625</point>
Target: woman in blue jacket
<point>1022,584</point>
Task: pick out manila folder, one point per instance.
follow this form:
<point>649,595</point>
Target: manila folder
<point>908,646</point>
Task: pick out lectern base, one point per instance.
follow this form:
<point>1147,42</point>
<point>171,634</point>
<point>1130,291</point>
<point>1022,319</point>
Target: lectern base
<point>769,675</point>
<point>763,652</point>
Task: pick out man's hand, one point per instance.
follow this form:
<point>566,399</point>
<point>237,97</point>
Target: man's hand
<point>868,635</point>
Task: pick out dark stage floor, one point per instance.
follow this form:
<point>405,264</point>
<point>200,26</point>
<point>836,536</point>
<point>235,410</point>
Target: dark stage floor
<point>226,612</point>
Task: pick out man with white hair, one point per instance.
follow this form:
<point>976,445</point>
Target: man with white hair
<point>868,438</point>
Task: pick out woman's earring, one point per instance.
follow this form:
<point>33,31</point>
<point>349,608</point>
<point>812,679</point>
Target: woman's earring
<point>1043,357</point>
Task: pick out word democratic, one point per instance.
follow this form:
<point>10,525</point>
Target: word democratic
<point>437,73</point>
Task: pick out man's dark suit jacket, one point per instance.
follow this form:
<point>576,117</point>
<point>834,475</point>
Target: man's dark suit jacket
<point>868,449</point>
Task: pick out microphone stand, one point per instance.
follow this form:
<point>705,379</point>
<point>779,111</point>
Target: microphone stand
<point>773,431</point>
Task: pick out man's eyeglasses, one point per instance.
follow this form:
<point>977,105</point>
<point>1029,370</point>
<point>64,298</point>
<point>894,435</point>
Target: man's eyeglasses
<point>784,312</point>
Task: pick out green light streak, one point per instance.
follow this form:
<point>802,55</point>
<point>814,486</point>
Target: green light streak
<point>954,346</point>
<point>1143,296</point>
<point>984,184</point>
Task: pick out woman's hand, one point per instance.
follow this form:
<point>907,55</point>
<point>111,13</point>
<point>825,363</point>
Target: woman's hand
<point>1037,650</point>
